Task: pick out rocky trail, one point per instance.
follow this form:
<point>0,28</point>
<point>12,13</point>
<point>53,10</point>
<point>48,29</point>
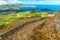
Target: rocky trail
<point>50,30</point>
<point>21,27</point>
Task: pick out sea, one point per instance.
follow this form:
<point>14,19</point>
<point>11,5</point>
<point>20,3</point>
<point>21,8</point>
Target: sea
<point>31,7</point>
<point>38,7</point>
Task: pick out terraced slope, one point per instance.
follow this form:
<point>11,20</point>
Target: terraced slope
<point>17,23</point>
<point>20,27</point>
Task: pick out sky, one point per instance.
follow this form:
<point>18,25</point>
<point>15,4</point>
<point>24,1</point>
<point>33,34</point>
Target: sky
<point>54,2</point>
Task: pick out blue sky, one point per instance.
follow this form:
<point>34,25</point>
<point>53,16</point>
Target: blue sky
<point>54,2</point>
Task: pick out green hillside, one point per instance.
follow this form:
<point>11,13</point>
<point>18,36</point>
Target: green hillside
<point>12,16</point>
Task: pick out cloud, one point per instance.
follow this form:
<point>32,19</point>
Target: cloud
<point>49,2</point>
<point>52,2</point>
<point>3,2</point>
<point>30,2</point>
<point>12,1</point>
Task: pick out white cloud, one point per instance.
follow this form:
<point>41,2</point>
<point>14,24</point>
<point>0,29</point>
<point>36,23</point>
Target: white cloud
<point>54,2</point>
<point>3,2</point>
<point>30,2</point>
<point>12,1</point>
<point>50,2</point>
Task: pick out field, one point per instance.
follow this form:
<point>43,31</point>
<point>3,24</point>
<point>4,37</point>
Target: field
<point>9,17</point>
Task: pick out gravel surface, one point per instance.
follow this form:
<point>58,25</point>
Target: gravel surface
<point>26,31</point>
<point>50,31</point>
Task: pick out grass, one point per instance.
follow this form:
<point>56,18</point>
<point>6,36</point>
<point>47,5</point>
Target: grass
<point>12,16</point>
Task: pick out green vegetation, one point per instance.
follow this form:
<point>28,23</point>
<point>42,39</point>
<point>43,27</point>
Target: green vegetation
<point>12,16</point>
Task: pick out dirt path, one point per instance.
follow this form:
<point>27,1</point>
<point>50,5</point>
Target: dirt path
<point>27,29</point>
<point>34,21</point>
<point>17,23</point>
<point>50,31</point>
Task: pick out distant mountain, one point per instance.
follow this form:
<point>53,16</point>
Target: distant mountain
<point>28,7</point>
<point>13,6</point>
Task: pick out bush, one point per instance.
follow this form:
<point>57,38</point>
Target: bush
<point>1,26</point>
